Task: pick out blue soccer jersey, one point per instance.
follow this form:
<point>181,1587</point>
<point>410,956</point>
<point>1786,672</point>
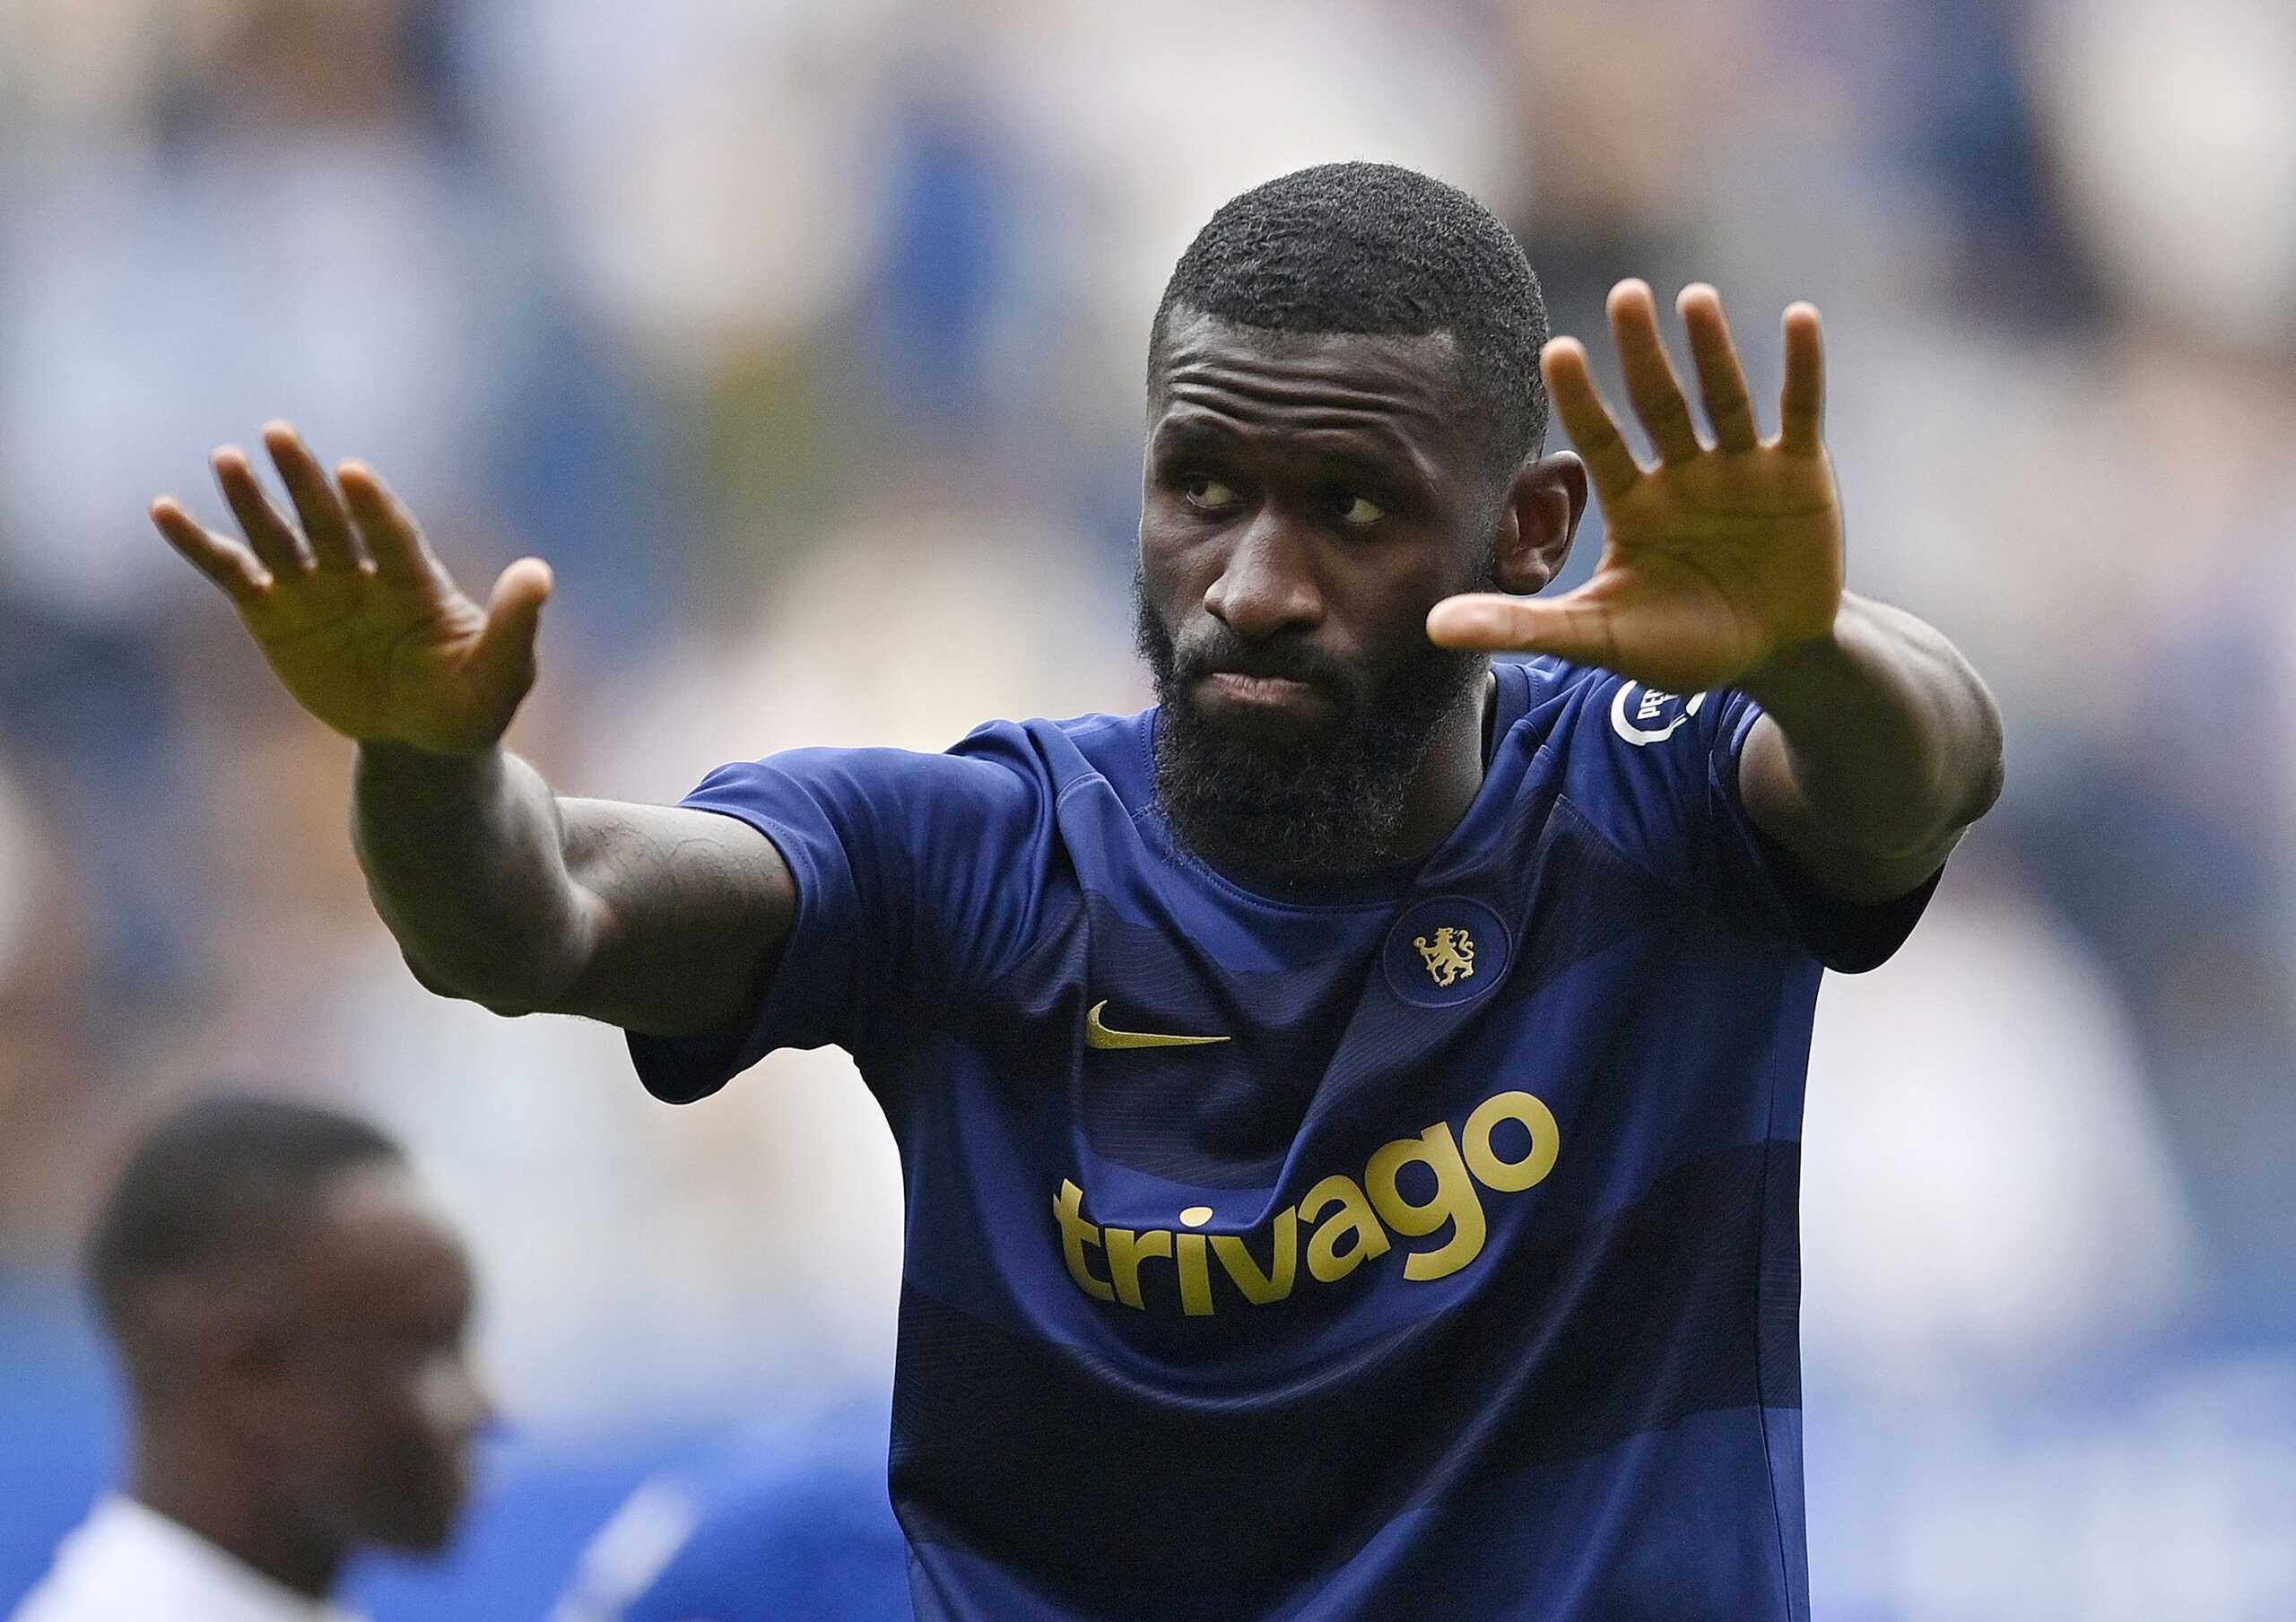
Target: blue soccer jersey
<point>1426,1250</point>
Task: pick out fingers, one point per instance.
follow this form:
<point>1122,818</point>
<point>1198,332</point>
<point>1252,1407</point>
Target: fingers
<point>234,568</point>
<point>506,647</point>
<point>1650,380</point>
<point>1802,403</point>
<point>392,539</point>
<point>272,538</point>
<point>1721,380</point>
<point>1571,385</point>
<point>326,521</point>
<point>350,525</point>
<point>1657,390</point>
<point>1569,626</point>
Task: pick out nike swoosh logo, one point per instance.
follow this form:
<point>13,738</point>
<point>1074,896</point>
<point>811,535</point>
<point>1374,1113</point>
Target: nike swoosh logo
<point>1097,1034</point>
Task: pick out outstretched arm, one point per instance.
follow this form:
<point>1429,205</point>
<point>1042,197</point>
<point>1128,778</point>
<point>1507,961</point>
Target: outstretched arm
<point>1878,747</point>
<point>1722,566</point>
<point>655,918</point>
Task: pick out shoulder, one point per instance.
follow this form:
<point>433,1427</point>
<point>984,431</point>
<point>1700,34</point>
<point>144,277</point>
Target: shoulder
<point>1607,730</point>
<point>103,1572</point>
<point>1008,755</point>
<point>1653,772</point>
<point>1108,747</point>
<point>50,1600</point>
<point>1585,707</point>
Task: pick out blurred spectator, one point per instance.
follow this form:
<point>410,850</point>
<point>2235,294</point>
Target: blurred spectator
<point>2145,101</point>
<point>290,1317</point>
<point>794,1521</point>
<point>1988,1194</point>
<point>294,231</point>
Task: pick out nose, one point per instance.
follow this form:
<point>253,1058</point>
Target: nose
<point>460,1400</point>
<point>1268,583</point>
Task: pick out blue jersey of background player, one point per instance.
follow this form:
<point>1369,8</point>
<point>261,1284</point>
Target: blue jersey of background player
<point>788,1522</point>
<point>1350,1112</point>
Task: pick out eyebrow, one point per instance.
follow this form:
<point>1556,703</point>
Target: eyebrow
<point>1192,433</point>
<point>1195,430</point>
<point>1368,448</point>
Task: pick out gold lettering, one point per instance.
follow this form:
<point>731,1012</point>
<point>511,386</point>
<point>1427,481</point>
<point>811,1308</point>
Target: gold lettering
<point>1260,1288</point>
<point>1196,1277</point>
<point>1075,1234</point>
<point>1510,1176</point>
<point>1454,1201</point>
<point>1369,1216</point>
<point>1325,1260</point>
<point>1127,1250</point>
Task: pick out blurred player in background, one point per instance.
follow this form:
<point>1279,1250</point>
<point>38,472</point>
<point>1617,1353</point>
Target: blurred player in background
<point>789,1522</point>
<point>1350,1112</point>
<point>291,1314</point>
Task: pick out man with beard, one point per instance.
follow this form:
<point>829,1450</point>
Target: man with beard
<point>290,1312</point>
<point>1349,1111</point>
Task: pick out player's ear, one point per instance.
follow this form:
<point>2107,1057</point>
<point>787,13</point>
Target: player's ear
<point>1540,518</point>
<point>245,1367</point>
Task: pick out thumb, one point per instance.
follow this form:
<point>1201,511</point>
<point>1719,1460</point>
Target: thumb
<point>506,647</point>
<point>1567,626</point>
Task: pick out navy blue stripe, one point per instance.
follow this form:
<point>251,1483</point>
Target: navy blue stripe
<point>1092,1487</point>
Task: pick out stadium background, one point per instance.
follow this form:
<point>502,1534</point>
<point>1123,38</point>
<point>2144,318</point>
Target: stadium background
<point>804,337</point>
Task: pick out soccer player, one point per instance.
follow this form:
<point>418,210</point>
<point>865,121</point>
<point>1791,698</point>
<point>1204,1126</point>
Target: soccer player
<point>1350,1111</point>
<point>291,1314</point>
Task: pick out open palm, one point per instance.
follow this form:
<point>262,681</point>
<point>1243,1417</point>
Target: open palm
<point>1717,559</point>
<point>356,615</point>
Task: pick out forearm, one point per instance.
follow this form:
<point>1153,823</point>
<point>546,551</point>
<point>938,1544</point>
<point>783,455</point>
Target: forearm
<point>1891,740</point>
<point>689,908</point>
<point>465,856</point>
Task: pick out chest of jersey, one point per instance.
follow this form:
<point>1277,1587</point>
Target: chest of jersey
<point>1257,1144</point>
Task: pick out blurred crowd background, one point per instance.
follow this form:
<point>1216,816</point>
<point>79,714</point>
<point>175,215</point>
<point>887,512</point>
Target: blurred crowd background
<point>804,339</point>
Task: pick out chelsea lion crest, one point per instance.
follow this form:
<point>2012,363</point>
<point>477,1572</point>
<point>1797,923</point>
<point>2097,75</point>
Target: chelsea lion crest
<point>1445,951</point>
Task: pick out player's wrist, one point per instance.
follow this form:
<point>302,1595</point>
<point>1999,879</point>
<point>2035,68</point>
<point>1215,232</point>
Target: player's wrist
<point>1806,660</point>
<point>396,758</point>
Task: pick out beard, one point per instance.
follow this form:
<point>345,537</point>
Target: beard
<point>1305,805</point>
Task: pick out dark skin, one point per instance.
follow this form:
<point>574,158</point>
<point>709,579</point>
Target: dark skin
<point>1723,566</point>
<point>1318,495</point>
<point>1330,491</point>
<point>320,1403</point>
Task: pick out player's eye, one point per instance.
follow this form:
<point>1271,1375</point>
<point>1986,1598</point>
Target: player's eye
<point>1357,511</point>
<point>1203,490</point>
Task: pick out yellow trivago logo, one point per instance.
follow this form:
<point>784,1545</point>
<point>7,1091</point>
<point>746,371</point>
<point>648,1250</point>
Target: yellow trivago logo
<point>1348,1222</point>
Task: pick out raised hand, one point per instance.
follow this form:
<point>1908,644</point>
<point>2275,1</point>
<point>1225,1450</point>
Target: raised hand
<point>1716,559</point>
<point>356,615</point>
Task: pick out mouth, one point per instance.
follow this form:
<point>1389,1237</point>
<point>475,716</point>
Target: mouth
<point>1272,696</point>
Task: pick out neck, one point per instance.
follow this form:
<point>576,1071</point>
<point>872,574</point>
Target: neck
<point>206,1491</point>
<point>1451,775</point>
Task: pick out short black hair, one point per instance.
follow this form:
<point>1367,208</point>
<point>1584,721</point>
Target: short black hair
<point>1374,249</point>
<point>229,1178</point>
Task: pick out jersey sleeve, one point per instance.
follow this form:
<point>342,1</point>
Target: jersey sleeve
<point>1658,774</point>
<point>916,876</point>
